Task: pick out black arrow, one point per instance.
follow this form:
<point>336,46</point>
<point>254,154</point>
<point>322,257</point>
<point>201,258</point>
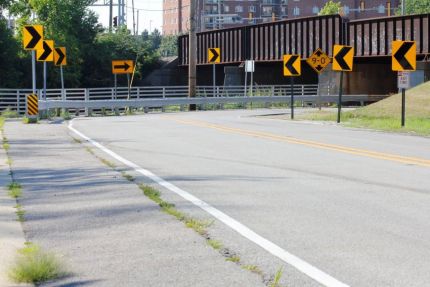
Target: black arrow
<point>318,53</point>
<point>61,56</point>
<point>36,37</point>
<point>401,53</point>
<point>289,65</point>
<point>340,58</point>
<point>125,67</point>
<point>319,68</point>
<point>215,55</point>
<point>46,52</point>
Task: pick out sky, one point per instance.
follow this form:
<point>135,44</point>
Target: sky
<point>150,14</point>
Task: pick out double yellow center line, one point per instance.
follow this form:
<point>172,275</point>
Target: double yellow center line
<point>313,144</point>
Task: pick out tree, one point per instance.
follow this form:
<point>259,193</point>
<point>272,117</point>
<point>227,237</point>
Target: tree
<point>168,46</point>
<point>415,7</point>
<point>331,8</point>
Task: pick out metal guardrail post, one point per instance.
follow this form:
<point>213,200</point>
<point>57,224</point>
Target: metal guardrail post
<point>87,99</point>
<point>163,109</point>
<point>18,104</point>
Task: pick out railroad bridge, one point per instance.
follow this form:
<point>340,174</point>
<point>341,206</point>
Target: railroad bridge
<point>267,43</point>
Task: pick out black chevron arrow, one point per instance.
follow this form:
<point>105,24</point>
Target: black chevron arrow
<point>215,55</point>
<point>318,53</point>
<point>289,65</point>
<point>46,52</point>
<point>61,56</point>
<point>36,37</point>
<point>340,58</point>
<point>401,53</point>
<point>125,67</point>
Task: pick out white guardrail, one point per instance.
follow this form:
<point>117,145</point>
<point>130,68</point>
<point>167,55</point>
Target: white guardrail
<point>165,96</point>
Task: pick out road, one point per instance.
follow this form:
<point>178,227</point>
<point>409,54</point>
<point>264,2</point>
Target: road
<point>352,204</point>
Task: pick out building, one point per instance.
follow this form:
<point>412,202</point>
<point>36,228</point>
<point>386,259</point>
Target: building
<point>217,14</point>
<point>352,9</point>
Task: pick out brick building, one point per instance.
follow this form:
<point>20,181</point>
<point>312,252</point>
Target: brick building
<point>352,9</point>
<point>215,14</point>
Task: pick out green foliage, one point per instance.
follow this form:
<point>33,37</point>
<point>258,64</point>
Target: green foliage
<point>330,8</point>
<point>415,7</point>
<point>168,46</point>
<point>90,49</point>
<point>35,266</point>
<point>10,66</point>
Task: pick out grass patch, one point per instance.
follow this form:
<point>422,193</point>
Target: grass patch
<point>65,115</point>
<point>33,265</point>
<point>215,244</point>
<point>15,190</point>
<point>1,123</point>
<point>254,269</point>
<point>386,114</point>
<point>127,176</point>
<point>108,163</point>
<point>151,193</point>
<point>20,212</point>
<point>6,145</point>
<point>8,113</point>
<point>198,226</point>
<point>277,278</point>
<point>235,259</point>
<point>9,161</point>
<point>76,140</point>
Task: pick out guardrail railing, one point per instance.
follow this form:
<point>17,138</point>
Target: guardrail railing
<point>94,98</point>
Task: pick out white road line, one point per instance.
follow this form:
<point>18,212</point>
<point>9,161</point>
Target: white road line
<point>311,271</point>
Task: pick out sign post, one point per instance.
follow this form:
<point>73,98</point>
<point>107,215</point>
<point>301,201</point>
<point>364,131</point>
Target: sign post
<point>343,58</point>
<point>122,67</point>
<point>404,59</point>
<point>32,40</point>
<point>318,61</point>
<point>292,68</point>
<point>214,57</point>
<point>249,68</point>
<point>60,59</point>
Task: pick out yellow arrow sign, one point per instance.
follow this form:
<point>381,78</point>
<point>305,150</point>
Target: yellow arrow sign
<point>292,65</point>
<point>404,56</point>
<point>214,55</point>
<point>318,60</point>
<point>46,54</point>
<point>60,56</point>
<point>122,67</point>
<point>32,37</point>
<point>343,58</point>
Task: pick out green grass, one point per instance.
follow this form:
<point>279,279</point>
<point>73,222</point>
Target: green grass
<point>277,278</point>
<point>8,113</point>
<point>127,176</point>
<point>386,114</point>
<point>215,244</point>
<point>108,163</point>
<point>254,269</point>
<point>15,190</point>
<point>33,265</point>
<point>2,119</point>
<point>235,259</point>
<point>20,212</point>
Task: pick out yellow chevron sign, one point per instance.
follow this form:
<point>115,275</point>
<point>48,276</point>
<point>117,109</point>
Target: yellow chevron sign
<point>32,105</point>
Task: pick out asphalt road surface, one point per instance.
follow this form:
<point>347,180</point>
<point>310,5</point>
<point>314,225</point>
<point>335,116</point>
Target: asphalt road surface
<point>349,204</point>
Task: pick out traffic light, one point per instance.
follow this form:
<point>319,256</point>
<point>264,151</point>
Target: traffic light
<point>115,21</point>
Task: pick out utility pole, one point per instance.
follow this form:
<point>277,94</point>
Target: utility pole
<point>192,54</point>
<point>134,22</point>
<point>403,7</point>
<point>110,15</point>
<point>219,14</point>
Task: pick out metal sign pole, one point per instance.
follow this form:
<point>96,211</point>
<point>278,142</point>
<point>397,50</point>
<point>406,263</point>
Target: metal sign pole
<point>339,103</point>
<point>33,65</point>
<point>403,106</point>
<point>116,92</point>
<point>246,80</point>
<point>252,83</point>
<point>292,97</point>
<point>44,81</point>
<point>214,80</point>
<point>63,95</point>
